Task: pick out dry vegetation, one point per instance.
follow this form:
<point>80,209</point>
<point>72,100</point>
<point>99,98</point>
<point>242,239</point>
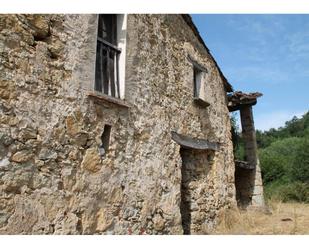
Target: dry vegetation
<point>284,218</point>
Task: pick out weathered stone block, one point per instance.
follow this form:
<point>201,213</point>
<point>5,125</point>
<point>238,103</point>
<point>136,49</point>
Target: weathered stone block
<point>6,139</point>
<point>26,134</point>
<point>4,93</point>
<point>46,154</point>
<point>92,160</point>
<point>40,25</point>
<point>73,126</point>
<point>158,223</point>
<point>104,220</point>
<point>56,48</point>
<point>22,156</point>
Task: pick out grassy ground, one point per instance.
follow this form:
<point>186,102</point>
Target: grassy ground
<point>285,218</point>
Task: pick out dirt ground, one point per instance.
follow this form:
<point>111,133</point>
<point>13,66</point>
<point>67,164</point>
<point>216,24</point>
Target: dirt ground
<point>283,218</point>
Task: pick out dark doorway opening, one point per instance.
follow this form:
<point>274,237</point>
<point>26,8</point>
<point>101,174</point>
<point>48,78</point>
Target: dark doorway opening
<point>244,184</point>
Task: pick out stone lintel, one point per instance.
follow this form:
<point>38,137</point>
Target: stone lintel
<point>100,98</point>
<point>194,143</point>
<point>244,165</point>
<point>201,102</point>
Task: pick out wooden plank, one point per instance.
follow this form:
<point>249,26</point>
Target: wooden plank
<point>112,73</point>
<point>98,69</point>
<point>108,71</point>
<point>105,71</point>
<point>101,71</point>
<point>117,75</point>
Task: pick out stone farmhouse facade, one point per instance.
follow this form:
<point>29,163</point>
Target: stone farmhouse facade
<point>117,124</point>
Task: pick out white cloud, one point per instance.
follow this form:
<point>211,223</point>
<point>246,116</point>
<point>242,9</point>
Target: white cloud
<point>265,74</point>
<point>275,119</point>
<point>259,25</point>
<point>271,46</point>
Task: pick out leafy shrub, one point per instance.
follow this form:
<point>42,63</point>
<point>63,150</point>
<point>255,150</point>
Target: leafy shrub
<point>240,152</point>
<point>297,191</point>
<point>277,160</point>
<point>282,191</point>
<point>300,169</point>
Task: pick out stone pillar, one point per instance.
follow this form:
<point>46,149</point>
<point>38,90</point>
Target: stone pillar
<point>249,137</point>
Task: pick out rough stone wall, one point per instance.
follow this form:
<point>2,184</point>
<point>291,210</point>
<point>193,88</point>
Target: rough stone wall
<point>52,177</point>
<point>198,197</point>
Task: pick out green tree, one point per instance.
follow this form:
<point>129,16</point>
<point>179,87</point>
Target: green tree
<point>238,145</point>
<point>284,157</point>
<point>300,168</point>
<point>277,159</point>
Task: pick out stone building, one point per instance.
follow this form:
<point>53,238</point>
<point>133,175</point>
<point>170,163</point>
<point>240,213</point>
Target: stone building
<point>115,124</point>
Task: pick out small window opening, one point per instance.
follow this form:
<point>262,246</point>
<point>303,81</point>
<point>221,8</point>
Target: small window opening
<point>197,78</point>
<point>105,138</point>
<point>199,94</point>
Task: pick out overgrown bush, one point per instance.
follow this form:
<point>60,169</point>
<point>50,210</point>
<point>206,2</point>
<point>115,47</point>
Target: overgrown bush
<point>283,191</point>
<point>300,168</point>
<point>278,159</point>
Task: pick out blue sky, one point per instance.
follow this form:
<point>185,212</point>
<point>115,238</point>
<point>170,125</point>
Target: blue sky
<point>264,53</point>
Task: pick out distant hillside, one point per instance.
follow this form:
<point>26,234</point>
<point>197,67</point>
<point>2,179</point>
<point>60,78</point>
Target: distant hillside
<point>296,127</point>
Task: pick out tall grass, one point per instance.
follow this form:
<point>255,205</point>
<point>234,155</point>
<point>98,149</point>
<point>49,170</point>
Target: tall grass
<point>285,218</point>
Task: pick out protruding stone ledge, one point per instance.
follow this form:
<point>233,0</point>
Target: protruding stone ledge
<point>103,98</point>
<point>238,99</point>
<point>201,102</point>
<point>244,165</point>
<point>194,143</point>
